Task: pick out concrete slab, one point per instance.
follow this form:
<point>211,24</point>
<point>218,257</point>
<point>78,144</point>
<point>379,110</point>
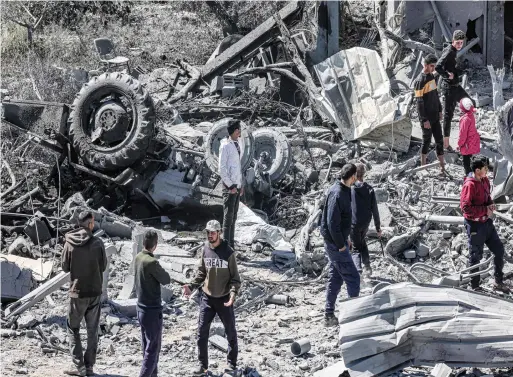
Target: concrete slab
<point>40,270</point>
<point>16,282</point>
<point>219,342</point>
<point>126,307</point>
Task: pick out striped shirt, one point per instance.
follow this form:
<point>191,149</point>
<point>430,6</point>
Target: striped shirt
<point>426,94</point>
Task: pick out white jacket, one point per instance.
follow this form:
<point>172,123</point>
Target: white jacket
<point>230,167</point>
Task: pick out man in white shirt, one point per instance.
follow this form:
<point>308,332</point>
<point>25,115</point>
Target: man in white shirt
<point>230,153</point>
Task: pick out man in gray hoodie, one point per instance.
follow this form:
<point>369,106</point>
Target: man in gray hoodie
<point>84,258</point>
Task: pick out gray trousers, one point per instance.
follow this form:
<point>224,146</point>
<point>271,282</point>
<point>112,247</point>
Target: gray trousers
<point>230,209</point>
<point>88,309</point>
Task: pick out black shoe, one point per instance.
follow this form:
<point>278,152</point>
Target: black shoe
<point>199,371</point>
<point>478,289</point>
<point>230,369</point>
<point>330,320</point>
<point>90,372</point>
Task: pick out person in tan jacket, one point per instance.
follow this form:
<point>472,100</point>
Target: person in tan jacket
<point>218,274</point>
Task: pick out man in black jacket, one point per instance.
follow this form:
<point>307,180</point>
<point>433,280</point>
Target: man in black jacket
<point>149,276</point>
<point>453,92</point>
<point>365,207</point>
<point>335,228</point>
<point>84,258</point>
<point>430,111</point>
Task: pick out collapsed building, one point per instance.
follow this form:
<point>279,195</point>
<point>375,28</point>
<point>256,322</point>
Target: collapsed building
<point>145,155</point>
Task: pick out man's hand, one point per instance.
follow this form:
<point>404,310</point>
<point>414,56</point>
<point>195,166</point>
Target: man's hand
<point>242,191</point>
<point>490,209</point>
<point>427,125</point>
<point>379,233</point>
<point>233,190</point>
<point>446,142</point>
<point>458,148</point>
<point>230,301</point>
<point>451,75</point>
<point>187,291</point>
<point>350,244</point>
<point>343,249</point>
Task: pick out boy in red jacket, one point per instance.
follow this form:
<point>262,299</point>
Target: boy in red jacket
<point>477,207</point>
<point>469,141</point>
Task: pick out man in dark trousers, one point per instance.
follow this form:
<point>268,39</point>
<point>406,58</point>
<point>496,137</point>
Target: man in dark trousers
<point>451,88</point>
<point>335,228</point>
<point>430,111</point>
<point>364,207</point>
<point>85,259</point>
<point>230,170</point>
<point>217,271</point>
<point>149,276</point>
<point>477,207</point>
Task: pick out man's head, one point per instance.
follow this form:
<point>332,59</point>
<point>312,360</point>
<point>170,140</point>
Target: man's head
<point>360,171</point>
<point>479,165</point>
<point>429,63</point>
<point>348,174</point>
<point>458,38</point>
<point>234,129</point>
<point>86,220</point>
<point>213,230</point>
<point>151,239</point>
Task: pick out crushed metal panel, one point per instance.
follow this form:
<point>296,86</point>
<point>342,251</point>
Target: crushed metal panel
<point>408,324</point>
<point>356,95</point>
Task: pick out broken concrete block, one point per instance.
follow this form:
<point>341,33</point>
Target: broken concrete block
<point>126,307</point>
<point>459,242</point>
<point>219,342</point>
<point>441,370</point>
<point>436,252</point>
<point>40,270</point>
<point>422,250</point>
<point>16,282</point>
<point>20,246</point>
<point>112,320</point>
<point>128,290</point>
<point>483,101</point>
<point>217,329</point>
<point>447,235</point>
<point>410,254</point>
<point>400,243</point>
<point>26,321</point>
<point>115,228</point>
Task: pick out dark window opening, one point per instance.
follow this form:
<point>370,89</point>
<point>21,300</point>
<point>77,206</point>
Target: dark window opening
<point>471,34</point>
<point>508,28</point>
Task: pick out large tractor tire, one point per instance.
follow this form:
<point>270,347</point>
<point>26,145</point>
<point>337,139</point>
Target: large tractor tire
<point>219,132</point>
<point>112,122</point>
<point>274,147</point>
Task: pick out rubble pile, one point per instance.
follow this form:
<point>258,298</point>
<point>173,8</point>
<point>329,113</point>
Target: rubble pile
<point>155,166</point>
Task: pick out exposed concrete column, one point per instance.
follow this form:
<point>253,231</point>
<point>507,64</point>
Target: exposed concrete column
<point>495,34</point>
<point>328,18</point>
<point>109,250</point>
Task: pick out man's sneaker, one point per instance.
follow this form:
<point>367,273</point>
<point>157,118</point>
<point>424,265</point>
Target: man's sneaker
<point>90,372</point>
<point>501,287</point>
<point>76,371</point>
<point>330,320</point>
<point>199,371</point>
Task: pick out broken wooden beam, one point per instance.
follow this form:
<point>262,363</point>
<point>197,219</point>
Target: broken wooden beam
<point>249,46</point>
<point>195,77</point>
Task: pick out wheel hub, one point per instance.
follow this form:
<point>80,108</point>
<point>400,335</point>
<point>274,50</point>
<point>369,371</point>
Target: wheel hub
<point>111,123</point>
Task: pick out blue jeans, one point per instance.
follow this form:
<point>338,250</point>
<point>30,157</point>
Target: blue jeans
<point>341,269</point>
<point>480,234</point>
<point>151,339</point>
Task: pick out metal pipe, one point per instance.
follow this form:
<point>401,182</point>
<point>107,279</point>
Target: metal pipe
<point>428,268</point>
<point>445,219</point>
<point>300,347</point>
<point>445,32</point>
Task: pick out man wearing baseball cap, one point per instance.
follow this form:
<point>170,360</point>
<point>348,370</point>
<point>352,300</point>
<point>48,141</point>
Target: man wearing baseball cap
<point>218,274</point>
<point>230,169</point>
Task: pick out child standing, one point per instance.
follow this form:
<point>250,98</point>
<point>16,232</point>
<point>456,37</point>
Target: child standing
<point>469,141</point>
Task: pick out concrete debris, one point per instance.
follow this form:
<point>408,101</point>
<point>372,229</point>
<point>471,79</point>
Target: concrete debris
<point>159,171</point>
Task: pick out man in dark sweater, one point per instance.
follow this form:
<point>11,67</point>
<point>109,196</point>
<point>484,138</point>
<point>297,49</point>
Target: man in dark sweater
<point>451,88</point>
<point>149,276</point>
<point>217,271</point>
<point>430,111</point>
<point>364,207</point>
<point>85,259</point>
<point>335,228</point>
<point>478,207</point>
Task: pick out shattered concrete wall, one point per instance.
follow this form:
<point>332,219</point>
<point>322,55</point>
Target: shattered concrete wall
<point>488,17</point>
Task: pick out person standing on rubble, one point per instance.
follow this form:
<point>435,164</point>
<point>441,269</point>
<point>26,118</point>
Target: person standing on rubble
<point>149,276</point>
<point>430,111</point>
<point>451,88</point>
<point>230,169</point>
<point>219,276</point>
<point>477,206</point>
<point>469,141</point>
<point>84,258</point>
<point>364,208</point>
<point>335,228</point>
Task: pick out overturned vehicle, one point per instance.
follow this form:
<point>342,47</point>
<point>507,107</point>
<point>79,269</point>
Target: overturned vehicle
<point>110,132</point>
